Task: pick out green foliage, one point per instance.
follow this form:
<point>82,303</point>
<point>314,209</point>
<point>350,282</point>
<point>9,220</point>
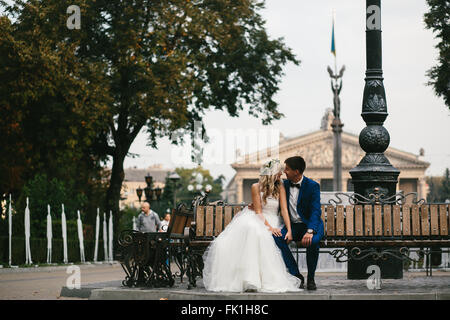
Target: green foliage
<point>438,20</point>
<point>83,95</point>
<point>126,219</point>
<point>45,107</point>
<point>183,194</point>
<point>439,188</point>
<point>42,191</point>
<point>38,247</point>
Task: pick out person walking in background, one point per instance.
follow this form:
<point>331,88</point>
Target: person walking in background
<point>165,223</point>
<point>148,220</point>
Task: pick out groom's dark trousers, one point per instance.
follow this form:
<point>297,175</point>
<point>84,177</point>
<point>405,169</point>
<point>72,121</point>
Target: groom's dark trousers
<point>312,252</point>
<point>309,210</point>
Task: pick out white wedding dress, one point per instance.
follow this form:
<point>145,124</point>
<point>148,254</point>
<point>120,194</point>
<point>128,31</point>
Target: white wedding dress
<point>245,257</point>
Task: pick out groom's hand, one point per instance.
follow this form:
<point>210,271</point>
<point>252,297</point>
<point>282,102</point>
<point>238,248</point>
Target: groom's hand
<point>307,239</point>
<point>288,237</point>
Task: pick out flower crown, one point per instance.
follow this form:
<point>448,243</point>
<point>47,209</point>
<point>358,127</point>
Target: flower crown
<point>270,168</point>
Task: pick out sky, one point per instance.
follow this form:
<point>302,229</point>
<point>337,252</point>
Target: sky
<point>417,118</point>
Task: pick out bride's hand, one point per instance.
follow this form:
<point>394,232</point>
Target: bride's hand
<point>276,232</point>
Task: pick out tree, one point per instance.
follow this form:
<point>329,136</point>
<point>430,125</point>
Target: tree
<point>183,194</point>
<point>439,187</point>
<point>438,20</point>
<point>445,189</point>
<point>45,100</point>
<point>164,64</point>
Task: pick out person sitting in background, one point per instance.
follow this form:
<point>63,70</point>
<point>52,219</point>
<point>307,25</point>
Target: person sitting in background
<point>165,223</point>
<point>148,220</point>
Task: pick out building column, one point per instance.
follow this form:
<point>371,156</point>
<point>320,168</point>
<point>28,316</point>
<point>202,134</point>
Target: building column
<point>422,188</point>
<point>344,185</point>
<point>239,190</point>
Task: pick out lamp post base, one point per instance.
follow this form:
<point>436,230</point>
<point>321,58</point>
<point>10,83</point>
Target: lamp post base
<point>391,268</point>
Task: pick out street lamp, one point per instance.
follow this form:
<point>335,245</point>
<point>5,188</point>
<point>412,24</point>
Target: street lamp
<point>374,175</point>
<point>139,193</point>
<point>174,177</point>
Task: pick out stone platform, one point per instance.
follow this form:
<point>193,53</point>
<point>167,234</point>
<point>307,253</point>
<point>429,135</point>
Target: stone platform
<point>331,286</point>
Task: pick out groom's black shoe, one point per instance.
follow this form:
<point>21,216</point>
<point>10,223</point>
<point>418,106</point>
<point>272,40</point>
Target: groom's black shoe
<point>311,285</point>
<point>302,279</point>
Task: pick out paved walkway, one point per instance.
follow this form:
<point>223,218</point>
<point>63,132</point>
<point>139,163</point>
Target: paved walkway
<point>46,282</point>
<point>330,286</point>
<point>104,281</point>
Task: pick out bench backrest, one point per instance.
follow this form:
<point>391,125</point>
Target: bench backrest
<point>211,220</point>
<point>351,221</point>
<point>394,221</point>
<point>179,220</point>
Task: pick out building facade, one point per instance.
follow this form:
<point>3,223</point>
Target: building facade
<point>317,150</point>
<point>135,179</point>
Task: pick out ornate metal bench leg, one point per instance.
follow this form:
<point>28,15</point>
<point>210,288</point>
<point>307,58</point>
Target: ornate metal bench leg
<point>190,268</point>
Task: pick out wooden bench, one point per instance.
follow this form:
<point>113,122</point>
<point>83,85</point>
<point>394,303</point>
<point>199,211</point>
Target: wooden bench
<point>356,231</point>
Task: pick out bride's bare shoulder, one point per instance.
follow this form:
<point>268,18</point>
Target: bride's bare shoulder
<point>255,186</point>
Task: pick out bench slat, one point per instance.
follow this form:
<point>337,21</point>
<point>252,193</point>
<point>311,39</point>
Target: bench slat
<point>378,227</point>
<point>443,219</point>
<point>448,210</point>
<point>349,220</point>
<point>330,220</point>
<point>188,222</point>
<point>415,220</point>
<point>228,216</point>
<point>397,220</point>
<point>179,224</point>
<point>406,220</point>
<point>200,225</point>
<point>218,222</point>
<point>358,220</point>
<point>368,230</point>
<point>340,220</point>
<point>387,220</point>
<point>424,220</point>
<point>434,220</point>
<point>236,209</point>
<point>209,221</point>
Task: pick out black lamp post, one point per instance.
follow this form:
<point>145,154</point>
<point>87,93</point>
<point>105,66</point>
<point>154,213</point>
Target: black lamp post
<point>139,193</point>
<point>374,175</point>
<point>174,177</point>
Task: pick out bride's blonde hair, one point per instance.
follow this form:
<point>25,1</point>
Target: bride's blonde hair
<point>269,184</point>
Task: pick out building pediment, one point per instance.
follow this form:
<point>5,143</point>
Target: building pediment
<point>317,150</point>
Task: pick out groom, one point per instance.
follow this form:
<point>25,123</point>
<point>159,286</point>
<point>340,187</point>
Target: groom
<point>303,201</point>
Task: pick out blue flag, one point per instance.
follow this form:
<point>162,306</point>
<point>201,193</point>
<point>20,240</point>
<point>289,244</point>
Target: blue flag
<point>333,48</point>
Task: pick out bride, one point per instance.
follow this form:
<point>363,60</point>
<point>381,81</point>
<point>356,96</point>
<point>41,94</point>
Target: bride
<point>244,257</point>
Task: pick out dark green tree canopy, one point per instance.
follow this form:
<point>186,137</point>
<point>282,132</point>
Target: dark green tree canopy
<point>438,20</point>
<point>161,65</point>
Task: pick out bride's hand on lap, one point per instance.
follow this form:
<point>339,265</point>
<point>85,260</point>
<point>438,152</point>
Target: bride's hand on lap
<point>276,232</point>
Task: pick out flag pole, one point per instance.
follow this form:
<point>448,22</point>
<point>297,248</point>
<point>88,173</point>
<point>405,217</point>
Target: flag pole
<point>334,44</point>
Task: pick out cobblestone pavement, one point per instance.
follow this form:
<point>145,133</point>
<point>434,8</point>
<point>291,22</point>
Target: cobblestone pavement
<point>46,282</point>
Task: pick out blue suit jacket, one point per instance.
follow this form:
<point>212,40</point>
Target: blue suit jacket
<point>308,206</point>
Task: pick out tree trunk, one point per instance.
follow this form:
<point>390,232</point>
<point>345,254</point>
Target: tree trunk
<point>113,193</point>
